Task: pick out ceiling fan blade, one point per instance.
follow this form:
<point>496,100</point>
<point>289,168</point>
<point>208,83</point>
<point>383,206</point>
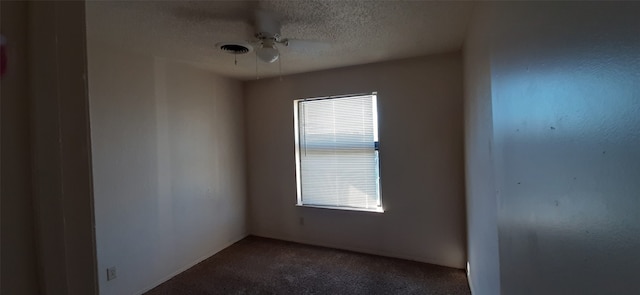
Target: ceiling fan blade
<point>202,11</point>
<point>267,23</point>
<point>307,45</point>
<point>238,15</point>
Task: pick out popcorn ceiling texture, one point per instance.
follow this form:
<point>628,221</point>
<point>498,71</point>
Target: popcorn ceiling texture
<point>359,31</point>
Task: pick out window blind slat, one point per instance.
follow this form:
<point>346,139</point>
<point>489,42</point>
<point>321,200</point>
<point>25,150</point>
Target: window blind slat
<point>338,160</point>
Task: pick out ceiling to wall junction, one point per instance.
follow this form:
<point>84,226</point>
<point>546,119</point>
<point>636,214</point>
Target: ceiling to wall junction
<point>358,32</point>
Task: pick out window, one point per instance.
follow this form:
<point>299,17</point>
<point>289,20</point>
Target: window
<point>337,152</point>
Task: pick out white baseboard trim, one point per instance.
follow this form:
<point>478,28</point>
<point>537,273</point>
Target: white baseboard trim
<point>350,248</point>
<point>190,265</point>
<point>470,282</point>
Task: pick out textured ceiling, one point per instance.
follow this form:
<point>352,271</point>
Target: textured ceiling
<point>359,32</point>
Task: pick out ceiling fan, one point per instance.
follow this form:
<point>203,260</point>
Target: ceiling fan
<point>268,39</point>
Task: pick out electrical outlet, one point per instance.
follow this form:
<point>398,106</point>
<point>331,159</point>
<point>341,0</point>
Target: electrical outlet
<point>111,273</point>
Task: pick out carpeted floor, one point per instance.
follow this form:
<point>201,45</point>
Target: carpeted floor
<point>257,265</point>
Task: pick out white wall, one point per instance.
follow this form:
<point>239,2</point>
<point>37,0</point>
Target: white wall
<point>18,252</point>
<point>565,87</point>
<point>47,218</point>
<point>482,225</point>
<point>421,155</point>
<point>61,150</point>
<point>168,159</point>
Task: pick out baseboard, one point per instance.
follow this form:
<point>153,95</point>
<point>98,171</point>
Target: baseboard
<point>190,265</point>
<point>469,281</point>
<point>349,248</point>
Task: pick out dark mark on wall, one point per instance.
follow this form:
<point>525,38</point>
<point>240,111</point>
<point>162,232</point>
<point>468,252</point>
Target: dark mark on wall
<point>552,128</point>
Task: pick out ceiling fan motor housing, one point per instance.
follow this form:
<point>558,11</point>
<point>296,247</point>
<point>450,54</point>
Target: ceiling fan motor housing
<point>268,36</point>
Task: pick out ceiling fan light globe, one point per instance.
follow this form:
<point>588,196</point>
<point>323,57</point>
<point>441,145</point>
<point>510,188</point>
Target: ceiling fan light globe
<point>268,54</point>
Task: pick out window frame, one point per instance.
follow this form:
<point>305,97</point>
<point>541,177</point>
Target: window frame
<point>297,152</point>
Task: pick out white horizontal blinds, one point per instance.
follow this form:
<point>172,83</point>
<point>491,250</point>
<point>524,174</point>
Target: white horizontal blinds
<point>338,160</point>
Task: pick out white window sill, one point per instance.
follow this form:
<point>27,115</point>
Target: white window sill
<point>378,210</point>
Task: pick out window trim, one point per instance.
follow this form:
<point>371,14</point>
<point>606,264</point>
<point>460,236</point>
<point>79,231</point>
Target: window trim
<point>296,130</point>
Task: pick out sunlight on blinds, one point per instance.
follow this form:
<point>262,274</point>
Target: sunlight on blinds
<point>338,160</point>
